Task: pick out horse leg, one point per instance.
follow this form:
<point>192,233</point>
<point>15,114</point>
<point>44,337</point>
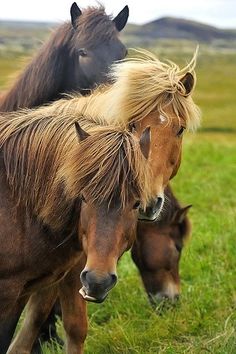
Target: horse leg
<point>11,306</point>
<point>48,331</point>
<point>74,311</point>
<point>8,326</point>
<point>38,308</point>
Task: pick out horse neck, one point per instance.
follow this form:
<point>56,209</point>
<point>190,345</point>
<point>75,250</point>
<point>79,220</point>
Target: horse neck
<point>44,78</point>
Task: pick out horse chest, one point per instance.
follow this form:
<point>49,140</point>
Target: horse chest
<point>51,275</point>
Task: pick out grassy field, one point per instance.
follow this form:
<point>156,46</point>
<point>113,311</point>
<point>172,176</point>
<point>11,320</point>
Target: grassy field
<point>204,321</point>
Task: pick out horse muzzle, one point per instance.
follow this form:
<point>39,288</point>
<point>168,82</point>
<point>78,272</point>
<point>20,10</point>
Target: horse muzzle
<point>95,288</point>
<point>152,211</point>
<point>84,292</point>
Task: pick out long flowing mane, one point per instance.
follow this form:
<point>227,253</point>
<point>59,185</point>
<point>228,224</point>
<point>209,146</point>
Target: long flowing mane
<point>145,84</point>
<point>54,70</point>
<point>47,168</point>
<point>140,86</point>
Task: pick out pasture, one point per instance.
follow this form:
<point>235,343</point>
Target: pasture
<point>204,320</point>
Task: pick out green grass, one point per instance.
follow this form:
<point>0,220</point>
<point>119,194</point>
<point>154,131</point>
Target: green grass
<point>205,319</point>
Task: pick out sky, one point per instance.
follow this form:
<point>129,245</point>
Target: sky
<point>220,13</point>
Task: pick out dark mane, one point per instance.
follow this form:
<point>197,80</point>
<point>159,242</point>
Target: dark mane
<point>170,207</point>
<point>34,86</point>
<point>55,69</point>
<point>169,213</point>
<point>95,27</point>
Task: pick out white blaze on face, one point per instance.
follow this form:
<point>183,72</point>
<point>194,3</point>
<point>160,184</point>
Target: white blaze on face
<point>162,119</point>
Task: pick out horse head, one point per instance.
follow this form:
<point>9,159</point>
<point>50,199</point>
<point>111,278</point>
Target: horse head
<point>157,252</point>
<point>113,185</point>
<point>95,43</point>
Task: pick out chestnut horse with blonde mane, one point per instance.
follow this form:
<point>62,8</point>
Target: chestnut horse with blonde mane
<point>157,118</point>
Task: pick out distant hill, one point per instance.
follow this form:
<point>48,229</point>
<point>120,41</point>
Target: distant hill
<point>25,36</point>
<point>177,28</point>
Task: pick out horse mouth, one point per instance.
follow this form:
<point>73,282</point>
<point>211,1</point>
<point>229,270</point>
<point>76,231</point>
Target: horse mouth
<point>163,302</point>
<point>143,217</point>
<point>84,293</point>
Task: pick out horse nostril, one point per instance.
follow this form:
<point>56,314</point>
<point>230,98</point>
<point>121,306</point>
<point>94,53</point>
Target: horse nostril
<point>159,202</point>
<point>83,277</point>
<point>113,279</point>
<point>90,280</point>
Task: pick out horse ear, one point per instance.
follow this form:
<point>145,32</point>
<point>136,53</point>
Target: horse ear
<point>81,133</point>
<point>180,215</point>
<point>145,141</point>
<point>121,19</point>
<point>75,12</point>
<point>188,82</point>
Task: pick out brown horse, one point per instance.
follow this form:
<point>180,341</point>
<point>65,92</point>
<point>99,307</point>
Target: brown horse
<point>76,58</point>
<point>160,275</point>
<point>44,171</point>
<point>172,95</point>
<point>157,250</point>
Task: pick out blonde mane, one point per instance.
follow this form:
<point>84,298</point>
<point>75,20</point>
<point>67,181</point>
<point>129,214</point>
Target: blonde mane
<point>141,85</point>
<point>144,84</point>
<point>36,143</point>
<point>48,169</point>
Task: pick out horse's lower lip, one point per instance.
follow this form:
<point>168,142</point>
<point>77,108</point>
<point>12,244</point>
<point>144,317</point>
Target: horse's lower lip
<point>148,219</point>
<point>83,292</point>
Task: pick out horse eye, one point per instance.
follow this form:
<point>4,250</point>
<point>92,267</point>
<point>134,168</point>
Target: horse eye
<point>83,52</point>
<point>82,198</point>
<point>136,205</point>
<point>180,132</point>
<point>178,247</point>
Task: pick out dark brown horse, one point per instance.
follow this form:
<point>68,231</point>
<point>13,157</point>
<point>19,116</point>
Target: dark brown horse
<point>76,58</point>
<point>157,250</point>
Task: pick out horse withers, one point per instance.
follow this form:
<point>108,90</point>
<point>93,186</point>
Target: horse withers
<point>157,250</point>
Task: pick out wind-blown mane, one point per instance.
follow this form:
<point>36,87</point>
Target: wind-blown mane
<point>151,85</point>
<point>140,86</point>
<point>34,86</point>
<point>47,168</point>
<point>54,70</point>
